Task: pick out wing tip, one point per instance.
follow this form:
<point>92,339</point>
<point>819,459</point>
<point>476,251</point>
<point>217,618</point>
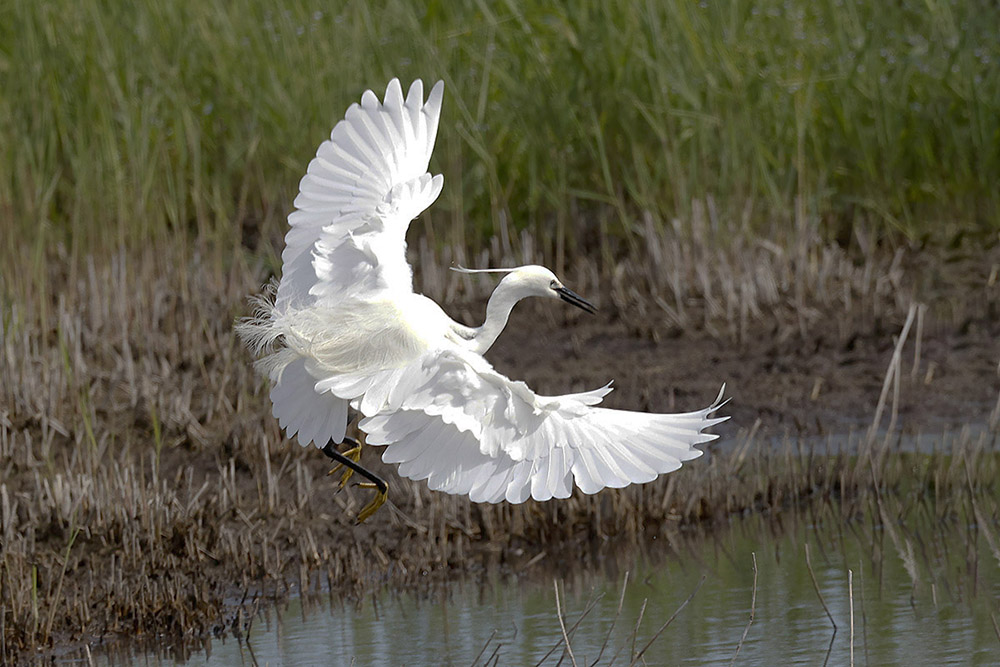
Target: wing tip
<point>415,95</point>
<point>434,98</point>
<point>718,399</point>
<point>393,94</point>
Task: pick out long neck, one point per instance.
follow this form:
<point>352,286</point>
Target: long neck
<point>497,311</point>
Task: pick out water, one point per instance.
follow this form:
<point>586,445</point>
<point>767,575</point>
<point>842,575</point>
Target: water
<point>940,615</point>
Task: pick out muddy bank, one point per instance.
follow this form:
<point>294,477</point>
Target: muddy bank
<point>827,381</point>
<point>146,490</point>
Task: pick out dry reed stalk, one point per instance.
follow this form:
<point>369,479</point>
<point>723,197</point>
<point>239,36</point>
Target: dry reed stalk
<point>666,624</point>
<point>614,621</point>
<point>995,414</point>
<point>892,373</point>
<point>819,594</point>
<point>753,609</point>
<point>864,615</point>
<point>921,311</point>
<point>850,595</point>
<point>590,607</point>
<point>475,660</point>
<point>562,624</point>
<point>635,631</point>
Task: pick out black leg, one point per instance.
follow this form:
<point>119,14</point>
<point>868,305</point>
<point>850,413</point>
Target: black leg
<point>331,451</point>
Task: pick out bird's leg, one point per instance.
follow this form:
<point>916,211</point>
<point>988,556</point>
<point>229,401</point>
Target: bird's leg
<point>354,454</point>
<point>349,460</point>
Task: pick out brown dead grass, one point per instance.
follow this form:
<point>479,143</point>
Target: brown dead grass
<point>146,490</point>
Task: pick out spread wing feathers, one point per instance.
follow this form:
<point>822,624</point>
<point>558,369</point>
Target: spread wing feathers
<point>300,410</point>
<point>358,196</point>
<point>451,419</point>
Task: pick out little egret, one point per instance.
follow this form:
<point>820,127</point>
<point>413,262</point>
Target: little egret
<point>346,330</point>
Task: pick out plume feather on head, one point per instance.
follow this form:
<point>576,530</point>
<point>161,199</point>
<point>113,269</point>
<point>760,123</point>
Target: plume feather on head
<point>462,269</point>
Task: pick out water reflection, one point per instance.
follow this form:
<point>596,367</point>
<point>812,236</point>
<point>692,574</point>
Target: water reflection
<point>923,593</point>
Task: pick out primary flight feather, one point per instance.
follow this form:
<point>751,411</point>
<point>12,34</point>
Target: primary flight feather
<point>345,330</point>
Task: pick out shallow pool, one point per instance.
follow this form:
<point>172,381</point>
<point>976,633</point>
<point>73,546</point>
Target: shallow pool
<point>925,592</point>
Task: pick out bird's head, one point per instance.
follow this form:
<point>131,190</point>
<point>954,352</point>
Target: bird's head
<point>538,281</point>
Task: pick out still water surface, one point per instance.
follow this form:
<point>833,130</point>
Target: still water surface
<point>937,607</point>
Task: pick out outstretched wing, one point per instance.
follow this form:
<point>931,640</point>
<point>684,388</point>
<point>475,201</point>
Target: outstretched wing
<point>348,232</point>
<point>451,419</point>
<point>359,194</point>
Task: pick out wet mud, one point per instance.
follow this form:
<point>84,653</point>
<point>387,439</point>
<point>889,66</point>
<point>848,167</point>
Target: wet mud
<point>242,523</point>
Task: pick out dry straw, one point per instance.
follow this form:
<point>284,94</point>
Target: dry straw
<point>145,486</point>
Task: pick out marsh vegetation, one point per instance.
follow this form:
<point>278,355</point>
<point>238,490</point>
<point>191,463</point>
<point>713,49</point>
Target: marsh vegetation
<point>796,198</point>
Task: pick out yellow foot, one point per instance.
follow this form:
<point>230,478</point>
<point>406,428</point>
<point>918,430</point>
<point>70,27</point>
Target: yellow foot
<point>354,453</point>
<point>350,461</point>
<point>381,494</point>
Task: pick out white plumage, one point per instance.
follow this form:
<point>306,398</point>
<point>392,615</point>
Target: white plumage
<point>346,329</point>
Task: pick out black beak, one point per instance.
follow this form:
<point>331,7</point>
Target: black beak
<point>569,296</point>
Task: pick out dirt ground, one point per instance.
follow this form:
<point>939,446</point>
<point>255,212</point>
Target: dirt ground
<point>825,382</point>
<point>228,542</point>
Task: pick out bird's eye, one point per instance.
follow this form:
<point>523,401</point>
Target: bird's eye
<point>554,284</point>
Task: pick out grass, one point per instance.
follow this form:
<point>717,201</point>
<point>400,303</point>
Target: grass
<point>125,124</point>
<point>145,487</point>
<point>730,170</point>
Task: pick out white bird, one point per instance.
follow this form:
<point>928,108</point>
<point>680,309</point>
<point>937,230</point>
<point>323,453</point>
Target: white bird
<point>346,330</point>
